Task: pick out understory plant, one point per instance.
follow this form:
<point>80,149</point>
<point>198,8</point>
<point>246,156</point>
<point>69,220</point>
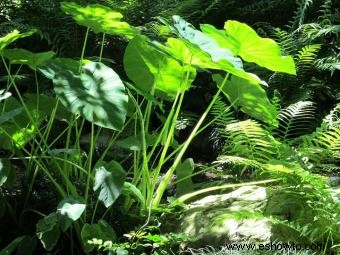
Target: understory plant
<point>90,137</point>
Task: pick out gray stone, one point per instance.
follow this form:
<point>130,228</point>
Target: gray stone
<point>241,216</point>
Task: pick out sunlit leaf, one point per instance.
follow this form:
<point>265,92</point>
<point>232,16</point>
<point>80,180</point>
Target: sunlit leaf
<point>12,37</point>
<point>206,43</point>
<point>99,18</point>
<point>109,180</point>
<point>4,94</point>
<point>250,97</point>
<point>25,57</point>
<point>97,94</point>
<point>252,48</point>
<point>70,210</point>
<point>190,54</point>
<point>148,68</point>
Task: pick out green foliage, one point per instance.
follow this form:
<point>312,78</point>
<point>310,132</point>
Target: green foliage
<point>102,231</point>
<point>50,227</point>
<point>250,97</point>
<point>296,120</point>
<point>25,57</point>
<point>154,72</point>
<point>109,179</point>
<point>97,93</point>
<point>99,18</point>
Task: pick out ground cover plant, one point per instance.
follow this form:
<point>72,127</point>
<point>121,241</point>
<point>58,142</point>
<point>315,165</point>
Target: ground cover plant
<point>96,153</point>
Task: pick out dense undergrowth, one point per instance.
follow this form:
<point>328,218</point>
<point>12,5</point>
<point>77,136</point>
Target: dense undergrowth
<point>111,124</point>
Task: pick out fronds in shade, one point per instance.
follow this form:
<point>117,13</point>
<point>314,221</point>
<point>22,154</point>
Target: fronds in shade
<point>300,13</point>
<point>330,64</point>
<point>296,120</point>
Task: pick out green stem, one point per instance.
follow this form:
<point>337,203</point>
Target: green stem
<point>102,48</point>
<point>167,177</point>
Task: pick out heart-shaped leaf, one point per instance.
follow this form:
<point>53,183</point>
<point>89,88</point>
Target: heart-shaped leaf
<point>252,48</point>
<point>70,211</point>
<point>99,18</point>
<point>149,69</point>
<point>205,43</point>
<point>250,97</point>
<point>188,53</point>
<point>184,172</point>
<point>25,57</point>
<point>48,231</point>
<point>97,94</point>
<point>109,179</point>
<point>12,37</point>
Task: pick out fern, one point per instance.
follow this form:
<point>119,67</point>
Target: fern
<point>326,13</point>
<point>329,64</point>
<point>248,139</point>
<point>305,60</point>
<point>286,41</point>
<point>300,13</point>
<point>296,120</point>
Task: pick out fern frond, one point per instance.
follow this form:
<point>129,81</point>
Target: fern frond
<point>333,118</point>
<point>329,64</point>
<point>296,120</point>
<point>248,139</point>
<point>238,161</point>
<point>285,40</point>
<point>326,139</point>
<point>305,60</point>
<point>326,13</point>
<point>300,13</point>
<point>313,31</point>
<point>222,113</point>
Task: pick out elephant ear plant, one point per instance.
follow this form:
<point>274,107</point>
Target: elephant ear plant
<point>93,92</point>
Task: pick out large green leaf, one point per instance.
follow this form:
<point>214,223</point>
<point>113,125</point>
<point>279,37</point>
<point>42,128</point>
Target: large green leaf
<point>70,211</point>
<point>54,66</point>
<point>184,172</point>
<point>188,53</point>
<point>99,18</point>
<point>205,43</point>
<point>12,37</point>
<point>50,227</point>
<point>109,179</point>
<point>252,48</point>
<point>250,97</point>
<point>97,94</point>
<point>149,69</point>
<point>101,231</point>
<point>25,57</point>
<point>48,231</point>
<point>132,190</point>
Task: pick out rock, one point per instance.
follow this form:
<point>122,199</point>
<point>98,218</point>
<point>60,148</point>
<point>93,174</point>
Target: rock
<point>242,216</point>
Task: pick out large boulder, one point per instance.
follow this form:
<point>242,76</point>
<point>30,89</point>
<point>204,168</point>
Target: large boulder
<point>242,216</point>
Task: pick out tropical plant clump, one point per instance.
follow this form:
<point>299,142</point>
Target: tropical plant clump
<point>95,149</point>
